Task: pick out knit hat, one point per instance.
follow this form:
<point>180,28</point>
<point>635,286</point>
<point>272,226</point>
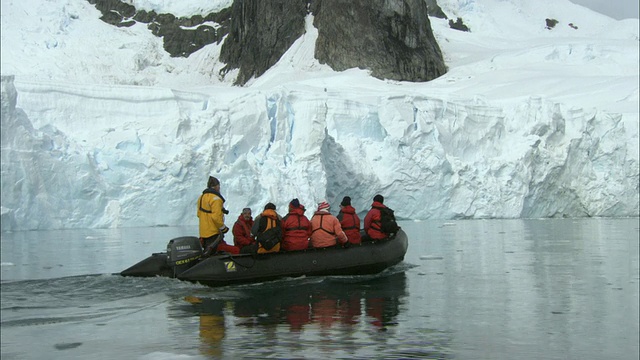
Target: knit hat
<point>270,206</point>
<point>295,203</point>
<point>213,181</point>
<point>323,206</point>
<point>379,198</point>
<point>346,201</point>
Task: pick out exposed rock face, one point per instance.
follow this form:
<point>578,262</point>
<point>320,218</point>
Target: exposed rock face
<point>435,10</point>
<point>260,32</point>
<point>177,41</point>
<point>391,38</point>
<point>459,25</point>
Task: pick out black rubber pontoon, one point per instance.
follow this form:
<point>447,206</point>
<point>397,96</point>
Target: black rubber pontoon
<point>182,261</point>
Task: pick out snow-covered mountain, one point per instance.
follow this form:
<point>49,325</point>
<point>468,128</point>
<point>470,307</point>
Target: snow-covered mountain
<point>102,128</point>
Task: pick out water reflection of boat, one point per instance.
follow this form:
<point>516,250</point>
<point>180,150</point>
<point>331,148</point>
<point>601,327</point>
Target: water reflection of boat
<point>183,261</point>
<point>330,317</point>
<point>343,300</point>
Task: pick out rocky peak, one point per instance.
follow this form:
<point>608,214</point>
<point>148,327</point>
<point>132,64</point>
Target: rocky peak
<point>260,33</point>
<point>391,38</point>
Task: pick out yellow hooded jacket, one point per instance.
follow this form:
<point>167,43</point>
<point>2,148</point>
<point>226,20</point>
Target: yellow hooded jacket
<point>209,212</point>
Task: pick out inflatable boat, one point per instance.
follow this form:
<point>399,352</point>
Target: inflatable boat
<point>184,260</point>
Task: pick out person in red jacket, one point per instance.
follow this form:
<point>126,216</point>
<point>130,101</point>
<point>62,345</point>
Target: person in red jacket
<point>325,228</point>
<point>296,228</point>
<point>372,220</point>
<point>242,237</point>
<point>349,221</point>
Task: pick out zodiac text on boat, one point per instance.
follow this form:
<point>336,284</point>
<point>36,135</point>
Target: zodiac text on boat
<point>184,261</point>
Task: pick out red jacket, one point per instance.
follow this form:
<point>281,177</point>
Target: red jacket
<point>242,232</point>
<point>327,234</point>
<point>350,223</point>
<point>296,230</point>
<point>372,222</point>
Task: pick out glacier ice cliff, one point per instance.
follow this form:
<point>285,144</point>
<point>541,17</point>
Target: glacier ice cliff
<point>82,156</point>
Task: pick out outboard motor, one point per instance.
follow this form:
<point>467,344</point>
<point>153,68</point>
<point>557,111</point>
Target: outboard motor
<point>182,253</point>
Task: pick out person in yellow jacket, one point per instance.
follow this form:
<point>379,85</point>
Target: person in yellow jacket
<point>211,213</point>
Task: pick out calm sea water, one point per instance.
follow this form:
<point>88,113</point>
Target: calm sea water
<point>494,289</point>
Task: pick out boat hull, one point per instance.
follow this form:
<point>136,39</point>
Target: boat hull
<point>367,258</point>
<point>154,265</point>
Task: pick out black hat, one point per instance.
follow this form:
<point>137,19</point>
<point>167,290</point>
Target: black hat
<point>213,182</point>
<point>346,201</point>
<point>295,203</point>
<point>270,206</point>
<point>379,198</point>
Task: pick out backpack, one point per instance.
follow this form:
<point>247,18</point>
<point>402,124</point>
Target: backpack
<point>388,222</point>
<point>270,237</point>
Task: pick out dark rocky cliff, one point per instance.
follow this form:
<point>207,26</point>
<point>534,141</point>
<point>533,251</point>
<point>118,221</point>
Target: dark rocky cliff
<point>260,32</point>
<point>391,38</point>
<point>435,10</point>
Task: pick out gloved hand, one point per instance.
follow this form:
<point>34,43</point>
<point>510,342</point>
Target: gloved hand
<point>225,229</point>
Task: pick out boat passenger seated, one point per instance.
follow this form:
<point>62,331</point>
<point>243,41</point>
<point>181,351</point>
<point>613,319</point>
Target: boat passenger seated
<point>242,237</point>
<point>325,228</point>
<point>296,228</point>
<point>268,230</point>
<point>376,226</point>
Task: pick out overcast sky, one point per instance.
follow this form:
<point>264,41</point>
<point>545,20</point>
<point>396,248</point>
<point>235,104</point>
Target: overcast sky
<point>617,9</point>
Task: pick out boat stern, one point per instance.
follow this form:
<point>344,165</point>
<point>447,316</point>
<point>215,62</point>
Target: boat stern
<point>154,265</point>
